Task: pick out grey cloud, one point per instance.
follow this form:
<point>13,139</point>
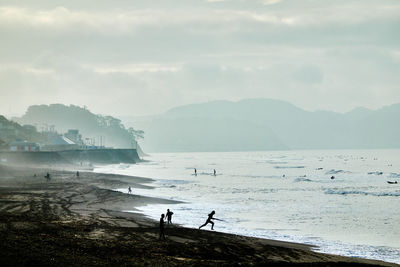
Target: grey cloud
<point>309,74</point>
<point>142,57</point>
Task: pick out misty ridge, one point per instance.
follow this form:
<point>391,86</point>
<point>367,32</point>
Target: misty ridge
<point>246,125</point>
<point>266,124</point>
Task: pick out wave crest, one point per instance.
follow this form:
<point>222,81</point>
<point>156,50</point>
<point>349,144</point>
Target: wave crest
<point>364,193</point>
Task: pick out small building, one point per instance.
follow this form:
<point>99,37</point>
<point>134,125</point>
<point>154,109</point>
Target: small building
<point>59,143</point>
<point>74,136</point>
<point>29,127</point>
<point>22,145</point>
<point>2,144</point>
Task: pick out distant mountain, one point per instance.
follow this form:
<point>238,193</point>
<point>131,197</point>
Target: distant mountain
<point>266,124</point>
<point>90,125</point>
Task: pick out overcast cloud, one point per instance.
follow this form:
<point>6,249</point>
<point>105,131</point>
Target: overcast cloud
<point>143,57</point>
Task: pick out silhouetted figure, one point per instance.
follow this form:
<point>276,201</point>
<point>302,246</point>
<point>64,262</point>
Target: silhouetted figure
<point>332,177</point>
<point>162,222</point>
<point>169,216</point>
<point>195,171</point>
<point>209,220</point>
<point>390,182</point>
<point>77,174</point>
<point>215,172</point>
<point>47,176</point>
<point>129,190</point>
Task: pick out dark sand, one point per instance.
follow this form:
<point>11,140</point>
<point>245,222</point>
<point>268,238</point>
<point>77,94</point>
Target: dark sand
<point>70,221</point>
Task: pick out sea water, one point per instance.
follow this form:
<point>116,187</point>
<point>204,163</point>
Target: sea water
<point>338,200</point>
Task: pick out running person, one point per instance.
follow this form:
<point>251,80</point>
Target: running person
<point>209,220</point>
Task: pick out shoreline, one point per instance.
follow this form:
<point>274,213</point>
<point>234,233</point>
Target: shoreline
<point>73,220</point>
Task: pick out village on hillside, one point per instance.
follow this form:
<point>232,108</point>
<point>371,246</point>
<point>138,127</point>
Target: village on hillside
<point>14,137</point>
<point>24,144</point>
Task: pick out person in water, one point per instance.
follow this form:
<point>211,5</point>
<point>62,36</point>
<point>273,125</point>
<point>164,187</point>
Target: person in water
<point>77,174</point>
<point>162,223</point>
<point>215,172</point>
<point>169,216</point>
<point>129,190</point>
<point>195,171</point>
<point>209,220</point>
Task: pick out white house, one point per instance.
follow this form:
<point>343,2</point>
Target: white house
<point>59,143</point>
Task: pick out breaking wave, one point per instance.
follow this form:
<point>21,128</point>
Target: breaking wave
<point>375,173</point>
<point>302,180</point>
<point>333,171</point>
<point>364,193</point>
<point>289,167</point>
<point>394,175</point>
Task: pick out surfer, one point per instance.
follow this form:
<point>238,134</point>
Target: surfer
<point>169,216</point>
<point>209,220</point>
<point>390,182</point>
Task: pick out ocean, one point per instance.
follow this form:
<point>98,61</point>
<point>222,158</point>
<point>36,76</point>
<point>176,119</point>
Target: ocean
<point>338,200</point>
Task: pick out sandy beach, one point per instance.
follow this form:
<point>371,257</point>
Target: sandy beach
<point>76,221</point>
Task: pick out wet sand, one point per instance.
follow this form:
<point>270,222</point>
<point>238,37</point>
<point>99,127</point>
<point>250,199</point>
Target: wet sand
<point>71,221</point>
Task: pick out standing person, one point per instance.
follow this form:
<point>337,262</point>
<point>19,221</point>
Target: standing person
<point>195,171</point>
<point>209,220</point>
<point>129,190</point>
<point>77,174</point>
<point>162,222</point>
<point>169,216</point>
<point>215,172</point>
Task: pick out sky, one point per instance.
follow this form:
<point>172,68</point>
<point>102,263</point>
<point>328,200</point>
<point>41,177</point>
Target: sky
<point>126,57</point>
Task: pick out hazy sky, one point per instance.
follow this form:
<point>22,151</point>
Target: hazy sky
<point>126,57</point>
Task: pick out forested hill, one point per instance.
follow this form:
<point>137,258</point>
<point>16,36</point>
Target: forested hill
<point>90,125</point>
<point>265,124</point>
<point>10,131</point>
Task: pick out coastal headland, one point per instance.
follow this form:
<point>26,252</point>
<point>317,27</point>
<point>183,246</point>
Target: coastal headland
<point>75,221</point>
